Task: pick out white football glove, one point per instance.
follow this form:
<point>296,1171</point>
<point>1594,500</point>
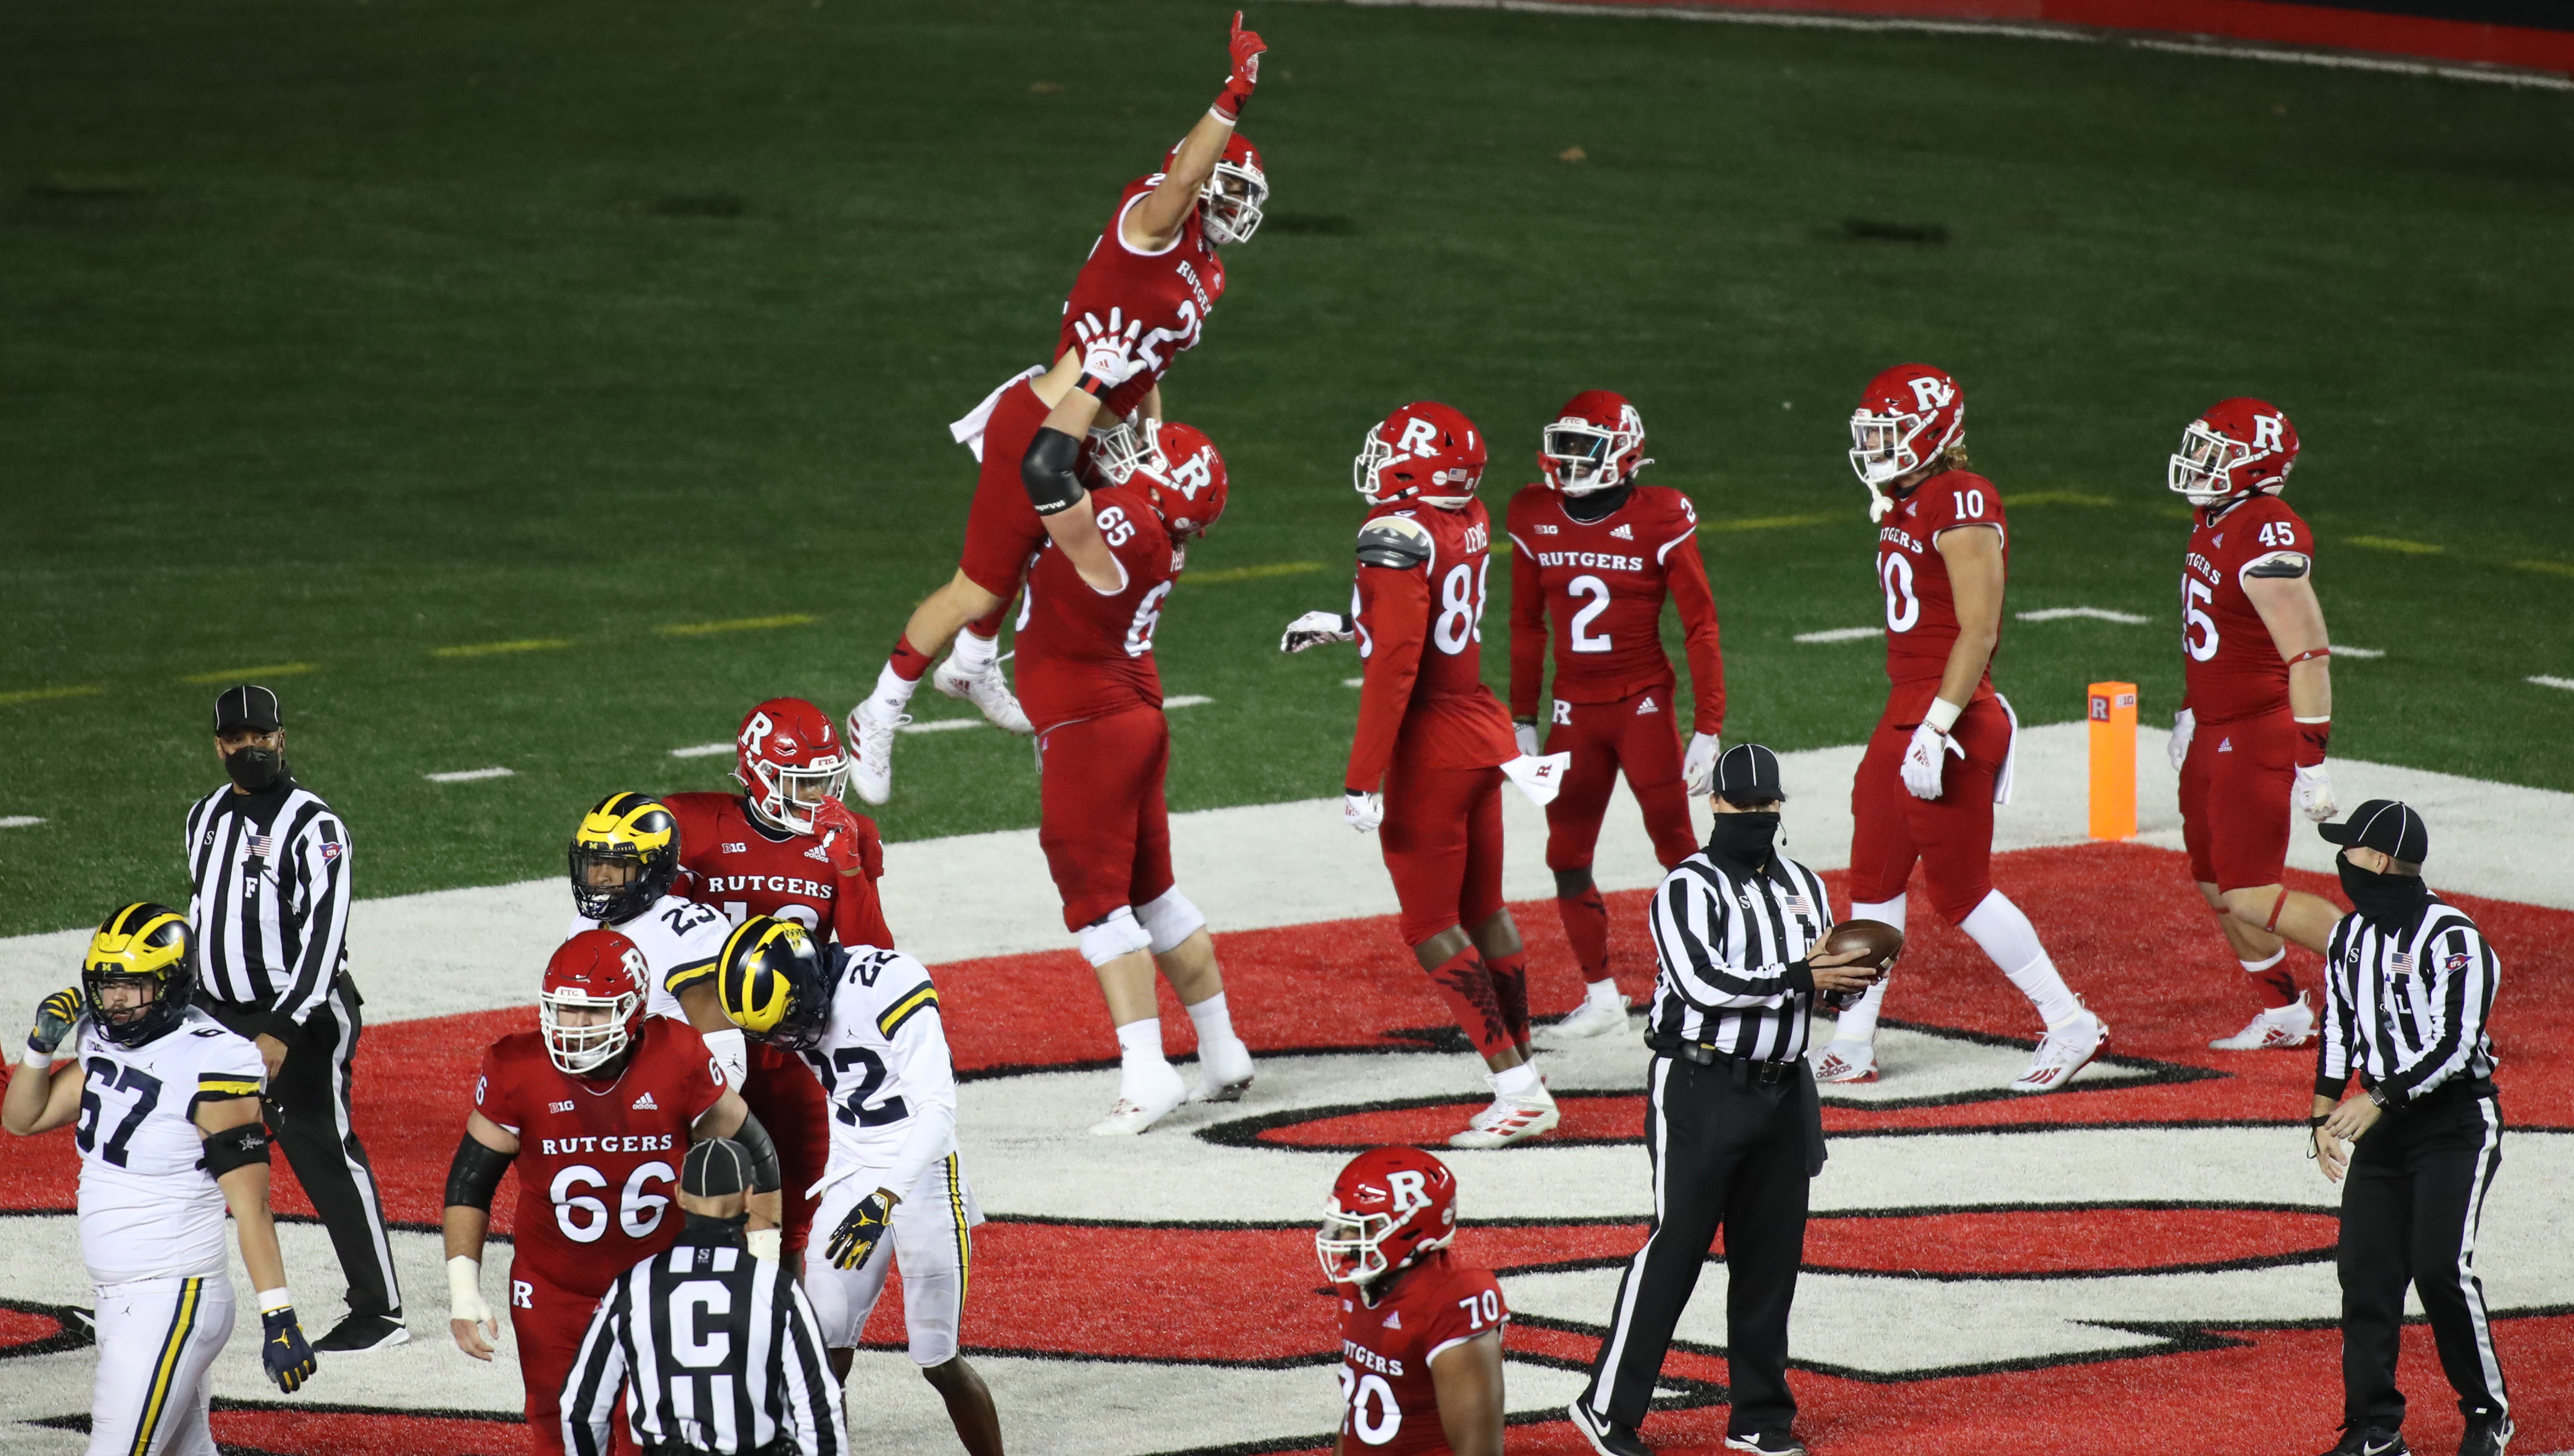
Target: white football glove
<point>1924,758</point>
<point>1526,732</point>
<point>1108,350</point>
<point>2184,725</point>
<point>2314,793</point>
<point>1315,629</point>
<point>1698,767</point>
<point>1363,811</point>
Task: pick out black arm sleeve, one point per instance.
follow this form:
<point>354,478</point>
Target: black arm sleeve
<point>475,1173</point>
<point>1046,470</point>
<point>754,1140</point>
<point>235,1147</point>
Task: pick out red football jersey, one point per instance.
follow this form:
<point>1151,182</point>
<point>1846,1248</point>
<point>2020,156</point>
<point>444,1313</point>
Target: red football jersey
<point>1172,292</point>
<point>1083,654</point>
<point>733,862</point>
<point>1388,1402</point>
<point>1601,584</point>
<point>1421,634</point>
<point>2230,665</point>
<point>599,1162</point>
<point>1921,610</point>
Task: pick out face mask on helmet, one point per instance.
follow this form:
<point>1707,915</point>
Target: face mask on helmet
<point>1124,448</point>
<point>1352,1246</point>
<point>624,856</point>
<point>1231,202</point>
<point>2204,470</point>
<point>592,1001</point>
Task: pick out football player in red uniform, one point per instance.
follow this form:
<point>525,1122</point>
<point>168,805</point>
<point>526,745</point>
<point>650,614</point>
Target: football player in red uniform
<point>1421,1329</point>
<point>597,1106</point>
<point>1941,557</point>
<point>2250,738</point>
<point>1085,644</point>
<point>1153,268</point>
<point>1596,553</point>
<point>785,847</point>
<point>1433,744</point>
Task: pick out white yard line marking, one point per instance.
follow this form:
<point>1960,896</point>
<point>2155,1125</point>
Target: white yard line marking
<point>1354,681</point>
<point>469,776</point>
<point>942,724</point>
<point>1186,700</point>
<point>1840,634</point>
<point>29,822</point>
<point>703,751</point>
<point>2566,684</point>
<point>2096,613</point>
<point>2362,654</point>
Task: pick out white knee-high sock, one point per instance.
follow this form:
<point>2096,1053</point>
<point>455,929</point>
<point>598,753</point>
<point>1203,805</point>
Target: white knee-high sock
<point>1859,1019</point>
<point>2006,936</point>
<point>1213,1020</point>
<point>975,656</point>
<point>893,693</point>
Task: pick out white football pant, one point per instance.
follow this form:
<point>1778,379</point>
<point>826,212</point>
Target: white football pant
<point>932,1237</point>
<point>156,1340</point>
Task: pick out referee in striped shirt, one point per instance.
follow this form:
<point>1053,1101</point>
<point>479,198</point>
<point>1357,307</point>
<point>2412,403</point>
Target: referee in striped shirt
<point>1734,1124</point>
<point>715,1350</point>
<point>267,863</point>
<point>2408,985</point>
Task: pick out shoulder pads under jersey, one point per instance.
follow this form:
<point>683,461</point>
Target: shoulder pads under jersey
<point>1395,540</point>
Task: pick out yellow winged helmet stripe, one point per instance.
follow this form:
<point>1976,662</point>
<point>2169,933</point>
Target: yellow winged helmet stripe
<point>618,820</point>
<point>119,947</point>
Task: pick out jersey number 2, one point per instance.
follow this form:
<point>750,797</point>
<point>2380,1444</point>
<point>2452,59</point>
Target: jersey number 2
<point>1598,592</point>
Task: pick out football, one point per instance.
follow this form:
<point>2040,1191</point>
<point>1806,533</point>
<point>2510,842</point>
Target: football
<point>1882,941</point>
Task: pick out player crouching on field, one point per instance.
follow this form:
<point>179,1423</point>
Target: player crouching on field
<point>1096,595</point>
<point>1421,1329</point>
<point>171,1140</point>
<point>866,1021</point>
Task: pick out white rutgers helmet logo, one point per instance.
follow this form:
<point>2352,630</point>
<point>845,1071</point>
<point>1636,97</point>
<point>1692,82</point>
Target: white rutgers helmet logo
<point>1420,436</point>
<point>1410,1190</point>
<point>637,968</point>
<point>1931,393</point>
<point>2267,431</point>
<point>756,732</point>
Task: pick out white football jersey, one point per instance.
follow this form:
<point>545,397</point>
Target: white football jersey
<point>679,938</point>
<point>148,1210</point>
<point>883,1063</point>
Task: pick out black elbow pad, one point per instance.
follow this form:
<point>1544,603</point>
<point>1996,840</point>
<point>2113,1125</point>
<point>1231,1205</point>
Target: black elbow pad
<point>475,1173</point>
<point>235,1147</point>
<point>1047,471</point>
<point>754,1140</point>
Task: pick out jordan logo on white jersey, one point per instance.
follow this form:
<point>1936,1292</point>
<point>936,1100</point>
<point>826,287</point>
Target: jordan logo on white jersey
<point>1624,532</point>
<point>1394,1320</point>
<point>646,1103</point>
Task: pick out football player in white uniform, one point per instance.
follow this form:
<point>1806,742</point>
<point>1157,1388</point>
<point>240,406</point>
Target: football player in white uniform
<point>625,858</point>
<point>866,1022</point>
<point>170,1136</point>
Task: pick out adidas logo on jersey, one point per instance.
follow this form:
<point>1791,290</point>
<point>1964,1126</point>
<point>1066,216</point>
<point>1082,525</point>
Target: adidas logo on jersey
<point>1394,1320</point>
<point>1644,707</point>
<point>1624,532</point>
<point>2227,746</point>
<point>646,1103</point>
<point>816,854</point>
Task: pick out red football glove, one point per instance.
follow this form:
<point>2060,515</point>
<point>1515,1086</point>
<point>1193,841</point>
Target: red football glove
<point>1246,46</point>
<point>850,840</point>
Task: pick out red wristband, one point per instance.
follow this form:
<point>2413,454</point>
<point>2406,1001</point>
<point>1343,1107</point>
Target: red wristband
<point>2311,738</point>
<point>1091,385</point>
<point>2310,654</point>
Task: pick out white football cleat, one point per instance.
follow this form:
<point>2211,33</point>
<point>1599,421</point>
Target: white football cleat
<point>1594,1018</point>
<point>1510,1119</point>
<point>1224,1072</point>
<point>987,692</point>
<point>1846,1061</point>
<point>1139,1108</point>
<point>872,775</point>
<point>2065,1050</point>
<point>2273,1030</point>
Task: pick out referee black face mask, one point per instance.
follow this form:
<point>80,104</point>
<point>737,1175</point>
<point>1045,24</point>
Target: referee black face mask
<point>254,767</point>
<point>1747,836</point>
<point>2388,898</point>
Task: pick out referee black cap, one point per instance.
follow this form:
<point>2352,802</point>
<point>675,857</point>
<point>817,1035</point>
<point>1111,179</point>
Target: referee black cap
<point>1747,774</point>
<point>716,1168</point>
<point>247,706</point>
<point>2385,825</point>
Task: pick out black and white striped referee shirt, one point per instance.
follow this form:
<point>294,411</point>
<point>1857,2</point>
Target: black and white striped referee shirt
<point>268,898</point>
<point>1731,946</point>
<point>718,1352</point>
<point>2407,1010</point>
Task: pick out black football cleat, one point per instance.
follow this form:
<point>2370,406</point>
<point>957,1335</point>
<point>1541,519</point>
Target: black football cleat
<point>2370,1441</point>
<point>1767,1443</point>
<point>2487,1436</point>
<point>1606,1436</point>
<point>359,1333</point>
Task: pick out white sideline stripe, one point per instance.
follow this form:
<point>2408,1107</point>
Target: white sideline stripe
<point>2567,684</point>
<point>1361,681</point>
<point>2097,614</point>
<point>29,822</point>
<point>1187,700</point>
<point>703,751</point>
<point>468,775</point>
<point>1840,634</point>
<point>973,896</point>
<point>2363,654</point>
<point>941,725</point>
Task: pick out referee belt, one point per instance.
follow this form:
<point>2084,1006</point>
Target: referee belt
<point>1746,1070</point>
<point>784,1446</point>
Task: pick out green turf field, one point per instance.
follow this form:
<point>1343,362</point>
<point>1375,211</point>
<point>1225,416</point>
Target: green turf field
<point>340,333</point>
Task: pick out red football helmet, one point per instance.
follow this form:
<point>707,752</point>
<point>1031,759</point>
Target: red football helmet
<point>1390,1206</point>
<point>1905,417</point>
<point>595,969</point>
<point>1596,443</point>
<point>1230,202</point>
<point>788,758</point>
<point>2241,447</point>
<point>1423,450</point>
<point>1184,476</point>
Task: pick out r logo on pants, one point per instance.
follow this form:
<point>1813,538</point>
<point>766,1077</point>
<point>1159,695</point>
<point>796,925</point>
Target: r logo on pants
<point>522,1295</point>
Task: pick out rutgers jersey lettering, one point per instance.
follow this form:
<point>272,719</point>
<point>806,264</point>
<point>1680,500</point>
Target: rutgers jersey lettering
<point>732,862</point>
<point>1083,654</point>
<point>1597,588</point>
<point>1921,607</point>
<point>1171,291</point>
<point>1388,1402</point>
<point>597,1161</point>
<point>2230,665</point>
<point>1420,635</point>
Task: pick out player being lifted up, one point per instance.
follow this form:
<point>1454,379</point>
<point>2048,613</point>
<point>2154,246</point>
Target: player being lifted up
<point>1095,597</point>
<point>2258,710</point>
<point>1596,553</point>
<point>1421,1329</point>
<point>1941,558</point>
<point>1154,268</point>
<point>1433,746</point>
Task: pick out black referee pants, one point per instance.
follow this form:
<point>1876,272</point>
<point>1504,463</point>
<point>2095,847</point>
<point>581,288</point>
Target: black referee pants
<point>308,1115</point>
<point>1727,1154</point>
<point>2410,1209</point>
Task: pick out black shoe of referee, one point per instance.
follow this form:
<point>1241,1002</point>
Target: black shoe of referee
<point>1767,1443</point>
<point>2370,1441</point>
<point>2486,1437</point>
<point>359,1333</point>
<point>1606,1436</point>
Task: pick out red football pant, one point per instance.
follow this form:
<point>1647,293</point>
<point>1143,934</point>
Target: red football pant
<point>2236,787</point>
<point>782,1094</point>
<point>1102,821</point>
<point>549,1322</point>
<point>1951,835</point>
<point>1442,841</point>
<point>1001,528</point>
<point>1639,735</point>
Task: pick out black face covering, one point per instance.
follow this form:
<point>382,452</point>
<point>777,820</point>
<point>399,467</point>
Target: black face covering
<point>703,1228</point>
<point>256,768</point>
<point>2389,899</point>
<point>1598,505</point>
<point>1745,839</point>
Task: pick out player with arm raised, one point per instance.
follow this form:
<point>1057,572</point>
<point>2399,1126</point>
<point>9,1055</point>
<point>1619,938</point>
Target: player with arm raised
<point>171,1140</point>
<point>2250,738</point>
<point>1421,1329</point>
<point>1940,756</point>
<point>1433,744</point>
<point>597,1106</point>
<point>1595,555</point>
<point>1095,597</point>
<point>1154,268</point>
